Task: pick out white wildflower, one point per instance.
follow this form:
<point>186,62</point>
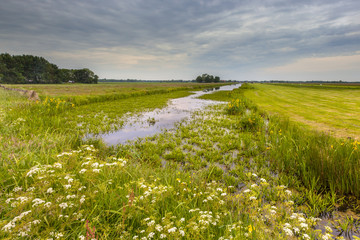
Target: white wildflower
<point>17,189</point>
<point>304,225</point>
<point>288,192</point>
<point>252,198</point>
<point>287,225</point>
<point>67,186</point>
<point>172,230</point>
<point>152,222</point>
<point>59,235</point>
<point>70,196</point>
<point>85,163</point>
<point>82,199</point>
<point>50,190</point>
<point>22,199</point>
<point>33,171</point>
<point>9,226</point>
<point>57,165</point>
<point>37,201</point>
<point>288,231</point>
<point>302,219</point>
<point>63,205</point>
<point>96,170</point>
<point>305,236</point>
<point>326,236</point>
<point>158,228</point>
<point>36,222</point>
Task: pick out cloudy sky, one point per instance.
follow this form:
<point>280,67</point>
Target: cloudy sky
<point>180,39</point>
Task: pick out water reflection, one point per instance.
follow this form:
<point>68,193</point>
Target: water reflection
<point>150,123</point>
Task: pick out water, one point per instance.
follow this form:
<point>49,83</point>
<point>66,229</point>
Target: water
<point>150,123</point>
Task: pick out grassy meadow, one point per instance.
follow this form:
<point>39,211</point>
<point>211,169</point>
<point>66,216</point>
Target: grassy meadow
<point>232,172</point>
<point>80,94</point>
<point>331,108</point>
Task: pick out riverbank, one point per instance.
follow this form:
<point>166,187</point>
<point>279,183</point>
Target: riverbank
<point>209,178</point>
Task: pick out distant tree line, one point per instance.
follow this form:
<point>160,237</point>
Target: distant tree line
<point>206,78</point>
<point>33,69</point>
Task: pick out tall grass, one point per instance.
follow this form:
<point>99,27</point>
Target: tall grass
<point>333,164</point>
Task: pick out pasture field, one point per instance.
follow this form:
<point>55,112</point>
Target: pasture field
<point>232,172</point>
<point>331,108</point>
<point>87,93</point>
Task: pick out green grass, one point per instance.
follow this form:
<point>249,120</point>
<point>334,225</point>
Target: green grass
<point>329,108</point>
<point>221,175</point>
<point>81,94</point>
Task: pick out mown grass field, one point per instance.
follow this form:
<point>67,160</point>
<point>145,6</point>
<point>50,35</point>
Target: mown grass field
<point>330,108</point>
<point>232,172</point>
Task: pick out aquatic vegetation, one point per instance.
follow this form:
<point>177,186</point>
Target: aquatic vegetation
<point>219,175</point>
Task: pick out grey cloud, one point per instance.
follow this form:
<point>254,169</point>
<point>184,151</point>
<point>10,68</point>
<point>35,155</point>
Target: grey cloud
<point>218,34</point>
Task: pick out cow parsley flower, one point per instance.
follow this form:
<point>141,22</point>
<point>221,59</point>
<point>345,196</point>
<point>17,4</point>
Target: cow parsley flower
<point>50,190</point>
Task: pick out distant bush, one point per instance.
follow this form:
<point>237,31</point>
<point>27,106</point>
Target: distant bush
<point>206,78</point>
<point>246,86</point>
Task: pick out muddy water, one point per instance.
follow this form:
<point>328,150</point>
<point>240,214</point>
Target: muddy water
<point>150,123</point>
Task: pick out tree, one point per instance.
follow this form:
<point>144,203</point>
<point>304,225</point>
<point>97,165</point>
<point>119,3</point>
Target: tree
<point>34,69</point>
<point>206,78</point>
<point>85,76</point>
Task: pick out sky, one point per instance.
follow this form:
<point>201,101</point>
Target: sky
<point>181,39</point>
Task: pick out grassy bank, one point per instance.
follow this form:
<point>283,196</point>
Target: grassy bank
<point>209,178</point>
<point>321,161</point>
<point>81,94</point>
<point>329,108</point>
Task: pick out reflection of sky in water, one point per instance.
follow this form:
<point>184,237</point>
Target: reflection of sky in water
<point>177,110</point>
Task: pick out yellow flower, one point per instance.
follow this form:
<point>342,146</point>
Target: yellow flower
<point>251,228</point>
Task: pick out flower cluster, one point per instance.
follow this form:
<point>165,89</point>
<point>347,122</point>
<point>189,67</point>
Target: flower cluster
<point>56,195</point>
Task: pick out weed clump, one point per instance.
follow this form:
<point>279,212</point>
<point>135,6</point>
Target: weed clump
<point>251,122</point>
